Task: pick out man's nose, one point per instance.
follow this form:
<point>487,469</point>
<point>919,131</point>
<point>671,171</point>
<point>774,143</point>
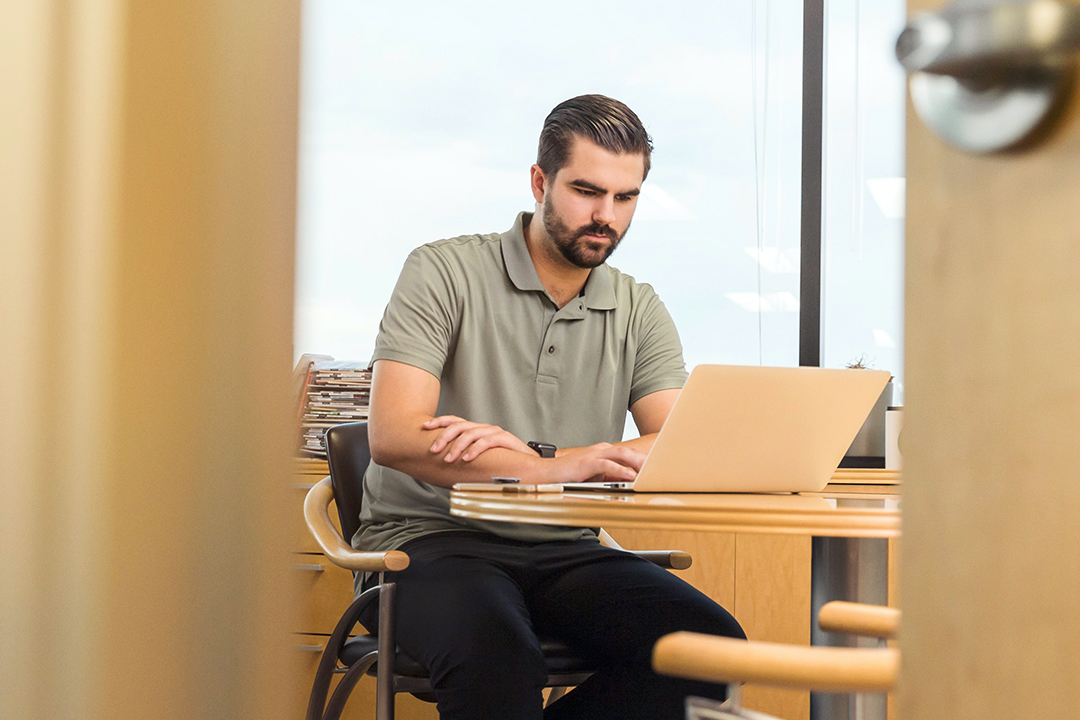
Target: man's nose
<point>604,213</point>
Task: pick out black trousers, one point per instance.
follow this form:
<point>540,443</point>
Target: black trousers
<point>470,607</point>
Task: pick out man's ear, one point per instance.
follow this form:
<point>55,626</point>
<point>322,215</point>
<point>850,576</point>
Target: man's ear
<point>537,180</point>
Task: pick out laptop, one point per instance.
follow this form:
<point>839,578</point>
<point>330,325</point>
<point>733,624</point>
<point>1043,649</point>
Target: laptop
<point>756,429</point>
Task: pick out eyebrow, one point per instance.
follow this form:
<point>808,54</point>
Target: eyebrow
<point>596,188</point>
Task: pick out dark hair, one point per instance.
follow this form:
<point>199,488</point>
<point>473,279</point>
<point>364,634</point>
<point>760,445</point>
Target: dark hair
<point>605,121</point>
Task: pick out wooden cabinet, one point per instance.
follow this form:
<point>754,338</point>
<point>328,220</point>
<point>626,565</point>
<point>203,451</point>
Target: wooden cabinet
<point>326,591</point>
<point>765,581</point>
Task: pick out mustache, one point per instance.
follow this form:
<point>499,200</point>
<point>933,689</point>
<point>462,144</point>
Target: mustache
<point>597,229</point>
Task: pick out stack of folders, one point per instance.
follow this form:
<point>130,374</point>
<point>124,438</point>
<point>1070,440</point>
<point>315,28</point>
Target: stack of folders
<point>334,392</point>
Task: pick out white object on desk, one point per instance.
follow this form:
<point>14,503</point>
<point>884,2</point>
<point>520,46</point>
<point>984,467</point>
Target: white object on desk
<point>894,420</point>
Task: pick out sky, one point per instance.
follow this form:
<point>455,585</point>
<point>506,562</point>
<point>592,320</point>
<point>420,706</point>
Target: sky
<point>419,121</point>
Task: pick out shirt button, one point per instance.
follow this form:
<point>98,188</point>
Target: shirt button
<point>551,349</point>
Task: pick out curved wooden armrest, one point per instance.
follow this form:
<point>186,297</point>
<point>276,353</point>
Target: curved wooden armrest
<point>335,548</point>
<point>719,659</point>
<point>859,619</point>
<point>670,559</point>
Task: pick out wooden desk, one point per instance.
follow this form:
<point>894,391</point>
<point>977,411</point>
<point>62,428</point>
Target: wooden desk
<point>771,560</point>
<point>828,514</point>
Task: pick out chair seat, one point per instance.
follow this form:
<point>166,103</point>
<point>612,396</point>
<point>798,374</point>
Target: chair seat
<point>361,645</point>
<point>560,658</point>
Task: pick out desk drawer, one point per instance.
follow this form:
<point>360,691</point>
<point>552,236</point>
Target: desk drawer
<point>325,592</point>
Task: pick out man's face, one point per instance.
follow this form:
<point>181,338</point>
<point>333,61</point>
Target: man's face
<point>587,207</point>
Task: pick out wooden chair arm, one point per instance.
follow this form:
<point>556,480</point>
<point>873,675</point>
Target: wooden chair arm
<point>719,659</point>
<point>670,559</point>
<point>339,552</point>
<point>859,619</point>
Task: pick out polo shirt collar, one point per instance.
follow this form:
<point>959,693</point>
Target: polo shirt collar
<point>599,290</point>
<point>519,264</point>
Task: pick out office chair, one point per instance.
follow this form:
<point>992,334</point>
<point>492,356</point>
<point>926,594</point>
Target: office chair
<point>348,454</point>
<point>825,669</point>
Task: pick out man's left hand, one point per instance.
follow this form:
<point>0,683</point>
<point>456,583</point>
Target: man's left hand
<point>468,440</point>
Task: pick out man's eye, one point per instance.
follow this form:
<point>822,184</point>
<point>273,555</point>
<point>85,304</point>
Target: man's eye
<point>623,198</point>
<point>586,193</point>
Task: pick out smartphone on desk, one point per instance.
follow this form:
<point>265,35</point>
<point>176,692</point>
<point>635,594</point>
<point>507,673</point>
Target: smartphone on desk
<point>507,485</point>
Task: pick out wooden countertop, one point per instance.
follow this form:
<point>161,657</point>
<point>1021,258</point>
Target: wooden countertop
<point>827,514</point>
<point>858,503</point>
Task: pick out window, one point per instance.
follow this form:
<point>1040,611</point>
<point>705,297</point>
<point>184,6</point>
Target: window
<point>863,187</point>
<point>420,122</point>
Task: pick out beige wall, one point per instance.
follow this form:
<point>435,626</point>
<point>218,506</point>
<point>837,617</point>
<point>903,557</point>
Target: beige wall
<point>147,194</point>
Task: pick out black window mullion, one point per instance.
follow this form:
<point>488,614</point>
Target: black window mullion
<point>812,143</point>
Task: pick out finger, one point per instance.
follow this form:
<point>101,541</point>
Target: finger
<point>444,421</point>
<point>441,421</point>
<point>482,445</point>
<point>615,470</point>
<point>626,456</point>
<point>448,435</point>
<point>467,438</point>
<point>501,439</point>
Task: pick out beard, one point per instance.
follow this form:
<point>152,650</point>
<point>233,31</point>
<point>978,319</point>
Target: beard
<point>573,245</point>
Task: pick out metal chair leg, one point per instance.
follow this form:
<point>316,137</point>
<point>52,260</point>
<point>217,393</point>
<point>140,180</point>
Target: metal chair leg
<point>336,706</point>
<point>384,682</point>
<point>327,664</point>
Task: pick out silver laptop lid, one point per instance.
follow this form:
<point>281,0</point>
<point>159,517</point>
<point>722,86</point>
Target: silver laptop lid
<point>759,429</point>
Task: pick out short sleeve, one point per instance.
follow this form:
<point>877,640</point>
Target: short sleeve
<point>658,363</point>
<point>419,323</point>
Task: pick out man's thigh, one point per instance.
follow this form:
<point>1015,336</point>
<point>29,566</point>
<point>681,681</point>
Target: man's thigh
<point>460,601</point>
<point>613,606</point>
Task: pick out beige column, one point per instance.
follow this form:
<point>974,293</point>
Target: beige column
<point>147,194</point>
<point>991,546</point>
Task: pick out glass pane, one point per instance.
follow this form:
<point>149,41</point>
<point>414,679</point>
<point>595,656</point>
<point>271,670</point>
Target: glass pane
<point>863,239</point>
<point>420,122</point>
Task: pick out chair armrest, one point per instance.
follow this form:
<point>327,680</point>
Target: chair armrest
<point>719,659</point>
<point>670,559</point>
<point>339,552</point>
<point>859,619</point>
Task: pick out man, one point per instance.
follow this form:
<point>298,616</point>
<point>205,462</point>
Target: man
<point>491,342</point>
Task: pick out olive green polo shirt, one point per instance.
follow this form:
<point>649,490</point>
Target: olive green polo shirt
<point>472,311</point>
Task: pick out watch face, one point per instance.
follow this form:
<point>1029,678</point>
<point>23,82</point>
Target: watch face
<point>545,450</point>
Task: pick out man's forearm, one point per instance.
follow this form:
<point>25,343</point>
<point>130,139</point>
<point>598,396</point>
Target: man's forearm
<point>405,436</point>
<point>410,452</point>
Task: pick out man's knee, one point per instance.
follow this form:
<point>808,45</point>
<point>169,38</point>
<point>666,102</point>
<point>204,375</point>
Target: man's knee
<point>496,672</point>
<point>502,651</point>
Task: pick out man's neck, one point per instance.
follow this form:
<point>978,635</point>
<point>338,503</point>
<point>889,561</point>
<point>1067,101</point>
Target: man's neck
<point>561,279</point>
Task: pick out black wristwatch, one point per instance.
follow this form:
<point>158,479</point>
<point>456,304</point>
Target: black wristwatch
<point>544,450</point>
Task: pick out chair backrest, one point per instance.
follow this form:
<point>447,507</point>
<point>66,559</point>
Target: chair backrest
<point>348,454</point>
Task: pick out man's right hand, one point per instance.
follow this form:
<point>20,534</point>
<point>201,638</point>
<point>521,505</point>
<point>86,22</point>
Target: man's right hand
<point>602,461</point>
